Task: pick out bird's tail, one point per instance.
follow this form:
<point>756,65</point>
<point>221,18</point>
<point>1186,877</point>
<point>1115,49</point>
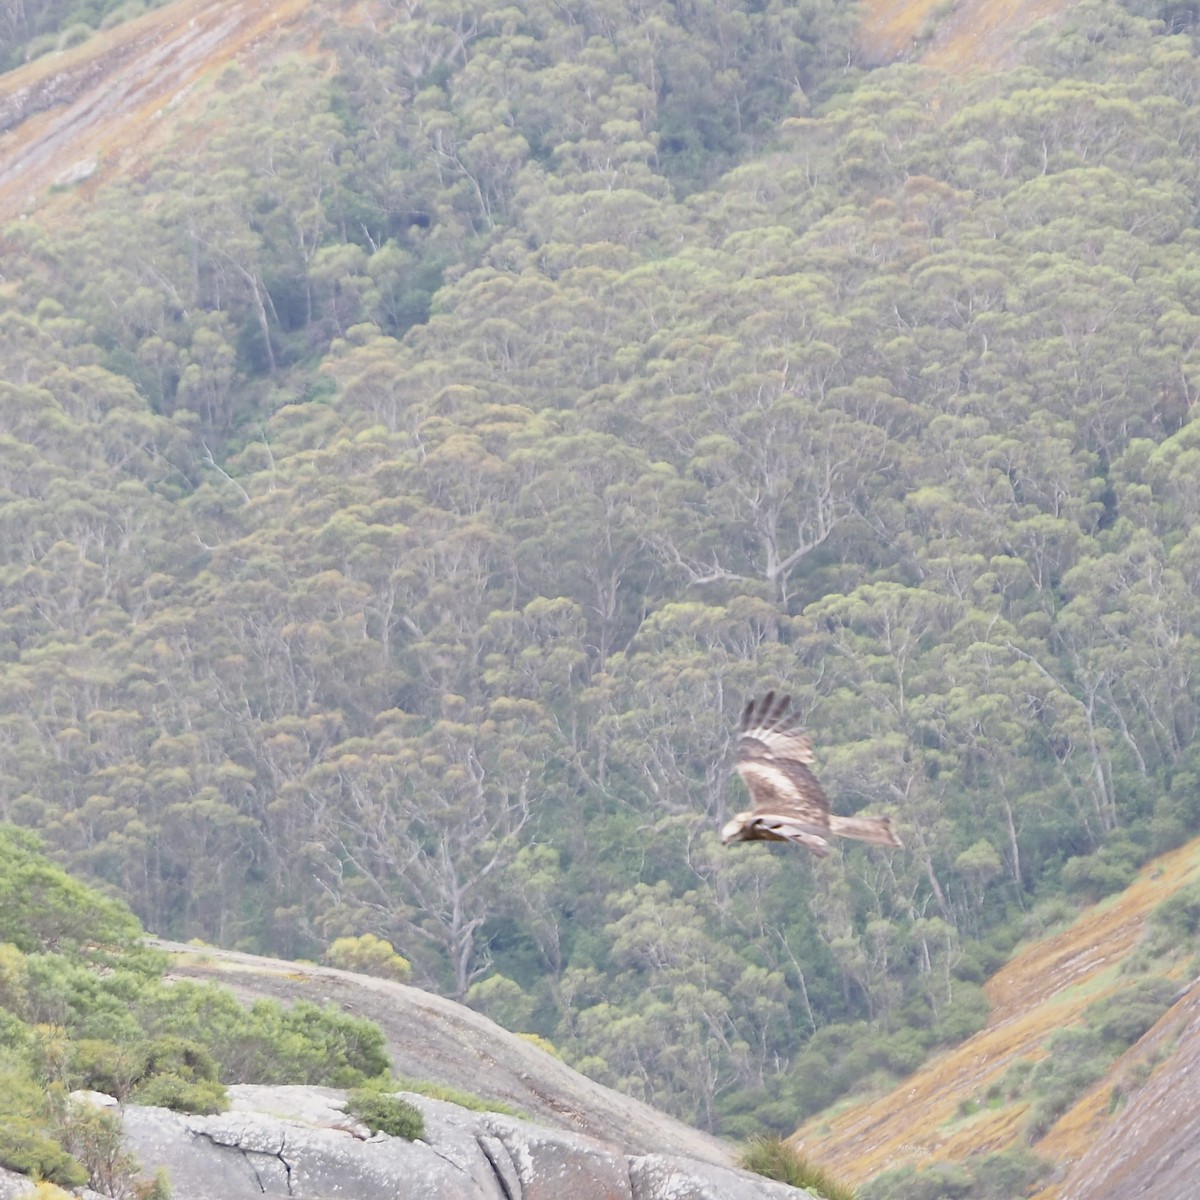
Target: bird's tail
<point>865,829</point>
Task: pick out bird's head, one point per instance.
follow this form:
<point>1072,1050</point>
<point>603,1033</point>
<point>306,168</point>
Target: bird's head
<point>735,829</point>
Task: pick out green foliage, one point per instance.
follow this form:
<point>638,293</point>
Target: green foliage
<point>108,1067</point>
<point>1175,922</point>
<point>967,1013</point>
<point>940,1181</point>
<point>1076,1059</point>
<point>94,1137</point>
<point>170,1090</point>
<point>775,1158</point>
<point>382,1113</point>
<point>28,1152</point>
<point>268,1043</point>
<point>97,1014</point>
<point>536,1039</point>
<point>1000,1176</point>
<point>369,955</point>
<point>74,35</point>
<point>1108,870</point>
<point>44,1190</point>
<point>1122,1018</point>
<point>51,24</point>
<point>503,1000</point>
<point>43,908</point>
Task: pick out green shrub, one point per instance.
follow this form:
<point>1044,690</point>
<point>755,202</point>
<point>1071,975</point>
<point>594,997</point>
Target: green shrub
<point>74,35</point>
<point>382,1113</point>
<point>103,1066</point>
<point>1003,1176</point>
<point>1178,917</point>
<point>1110,869</point>
<point>126,12</point>
<point>941,1181</point>
<point>12,978</point>
<point>158,1188</point>
<point>1122,1018</point>
<point>369,955</point>
<point>967,1013</point>
<point>94,1136</point>
<point>269,1043</point>
<point>1007,1174</point>
<point>182,1095</point>
<point>28,1151</point>
<point>542,1043</point>
<point>172,1055</point>
<point>1077,1058</point>
<point>38,46</point>
<point>775,1158</point>
<point>43,909</point>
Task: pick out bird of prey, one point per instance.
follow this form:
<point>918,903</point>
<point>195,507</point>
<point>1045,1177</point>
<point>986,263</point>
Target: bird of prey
<point>789,805</point>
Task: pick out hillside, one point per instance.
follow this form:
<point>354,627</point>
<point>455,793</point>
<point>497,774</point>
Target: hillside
<point>99,109</point>
<point>431,1038</point>
<point>959,36</point>
<point>103,107</point>
<point>424,426</point>
<point>945,1112</point>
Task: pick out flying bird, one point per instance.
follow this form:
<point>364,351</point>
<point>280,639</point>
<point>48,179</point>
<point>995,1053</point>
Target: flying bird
<point>789,805</point>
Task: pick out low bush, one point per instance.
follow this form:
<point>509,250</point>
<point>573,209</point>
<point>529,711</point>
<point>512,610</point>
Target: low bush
<point>1122,1018</point>
<point>103,1066</point>
<point>1001,1176</point>
<point>1177,919</point>
<point>382,1113</point>
<point>369,955</point>
<point>182,1095</point>
<point>74,35</point>
<point>941,1181</point>
<point>1110,869</point>
<point>28,1151</point>
<point>776,1158</point>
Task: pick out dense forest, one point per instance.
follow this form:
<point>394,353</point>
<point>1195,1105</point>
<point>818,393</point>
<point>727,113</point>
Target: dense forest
<point>407,478</point>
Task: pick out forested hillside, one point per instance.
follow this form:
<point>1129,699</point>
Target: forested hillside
<point>408,477</point>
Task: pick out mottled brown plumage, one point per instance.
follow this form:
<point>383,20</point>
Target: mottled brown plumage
<point>789,804</point>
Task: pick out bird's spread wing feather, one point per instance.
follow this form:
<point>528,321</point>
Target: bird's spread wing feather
<point>773,755</point>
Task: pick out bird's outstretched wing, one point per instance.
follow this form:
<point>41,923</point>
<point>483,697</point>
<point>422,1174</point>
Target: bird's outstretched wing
<point>788,802</point>
<point>773,759</point>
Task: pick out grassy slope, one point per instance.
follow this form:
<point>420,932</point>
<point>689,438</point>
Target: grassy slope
<point>953,35</point>
<point>1043,988</point>
<point>98,107</point>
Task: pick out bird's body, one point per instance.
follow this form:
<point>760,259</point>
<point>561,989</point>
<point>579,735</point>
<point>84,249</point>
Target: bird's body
<point>789,804</point>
